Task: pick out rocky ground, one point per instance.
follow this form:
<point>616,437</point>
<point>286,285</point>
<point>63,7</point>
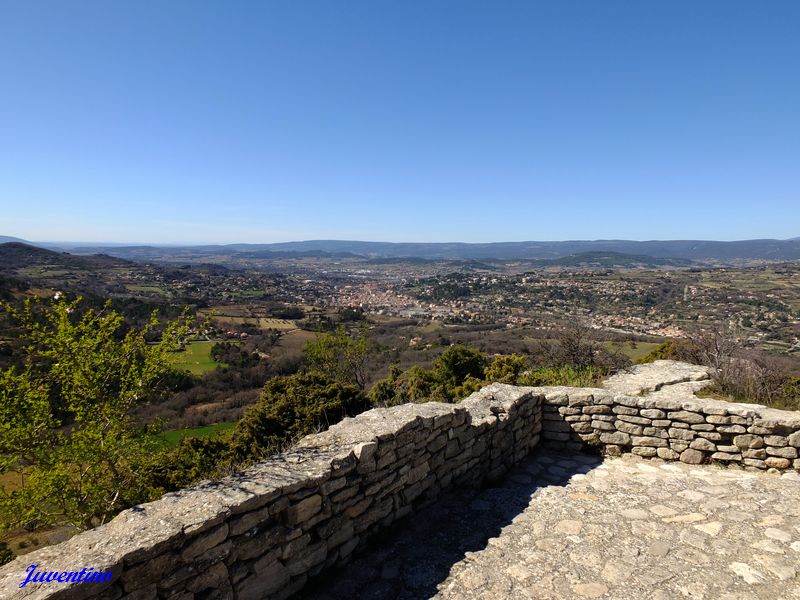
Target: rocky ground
<point>571,526</point>
<point>660,378</point>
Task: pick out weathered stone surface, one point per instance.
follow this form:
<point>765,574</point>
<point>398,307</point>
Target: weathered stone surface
<point>748,442</point>
<point>681,434</point>
<point>775,462</point>
<point>201,543</point>
<point>760,453</point>
<point>794,439</point>
<point>645,451</point>
<point>628,427</point>
<point>775,440</point>
<point>617,438</point>
<point>686,417</point>
<point>667,454</point>
<point>649,441</point>
<point>617,530</point>
<point>692,457</point>
<point>731,429</point>
<point>303,510</point>
<point>654,376</point>
<point>703,444</point>
<point>652,413</point>
<point>603,425</point>
<point>636,420</point>
<point>725,456</point>
<point>785,452</point>
<point>272,578</point>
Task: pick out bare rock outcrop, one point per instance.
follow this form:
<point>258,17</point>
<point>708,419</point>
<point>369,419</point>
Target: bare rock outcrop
<point>648,378</point>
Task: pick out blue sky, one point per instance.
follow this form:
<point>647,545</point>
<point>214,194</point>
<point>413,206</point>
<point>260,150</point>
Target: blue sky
<point>485,121</point>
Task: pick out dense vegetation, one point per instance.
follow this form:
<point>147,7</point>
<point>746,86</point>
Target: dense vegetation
<point>66,427</point>
<point>739,374</point>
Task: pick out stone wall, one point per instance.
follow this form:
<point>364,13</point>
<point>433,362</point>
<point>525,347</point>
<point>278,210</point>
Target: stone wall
<point>691,430</point>
<point>651,410</point>
<point>264,533</point>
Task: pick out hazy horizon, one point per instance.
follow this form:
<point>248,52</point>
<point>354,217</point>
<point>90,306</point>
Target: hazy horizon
<point>101,243</point>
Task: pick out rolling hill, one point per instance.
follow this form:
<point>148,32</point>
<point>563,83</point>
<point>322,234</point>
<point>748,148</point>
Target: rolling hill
<point>15,256</point>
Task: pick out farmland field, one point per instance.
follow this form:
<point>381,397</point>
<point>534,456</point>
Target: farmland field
<point>146,289</point>
<point>295,341</point>
<point>196,358</point>
<point>269,323</point>
<point>238,315</point>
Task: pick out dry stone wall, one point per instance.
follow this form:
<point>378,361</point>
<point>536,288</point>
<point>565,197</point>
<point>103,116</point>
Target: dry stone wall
<point>651,410</point>
<point>691,430</point>
<point>264,533</point>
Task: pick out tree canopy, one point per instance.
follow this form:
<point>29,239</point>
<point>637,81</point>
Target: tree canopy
<point>67,435</point>
<point>341,356</point>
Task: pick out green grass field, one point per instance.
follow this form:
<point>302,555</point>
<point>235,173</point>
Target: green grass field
<point>196,359</point>
<point>172,438</point>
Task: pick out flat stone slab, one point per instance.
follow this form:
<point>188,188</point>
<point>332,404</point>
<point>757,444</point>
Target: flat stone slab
<point>652,377</point>
<point>571,527</point>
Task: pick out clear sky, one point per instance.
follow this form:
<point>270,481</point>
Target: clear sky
<point>169,121</point>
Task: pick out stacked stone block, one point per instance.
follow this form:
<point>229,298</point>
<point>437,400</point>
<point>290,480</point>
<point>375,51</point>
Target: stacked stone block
<point>264,533</point>
<point>693,431</point>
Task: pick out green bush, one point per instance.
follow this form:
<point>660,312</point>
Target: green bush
<point>456,373</point>
<point>455,364</point>
<point>665,351</point>
<point>340,355</point>
<point>194,459</point>
<point>291,407</point>
<point>506,369</point>
<point>565,375</point>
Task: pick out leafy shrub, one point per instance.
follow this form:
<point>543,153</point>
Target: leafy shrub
<point>665,351</point>
<point>194,459</point>
<point>506,369</point>
<point>586,376</point>
<point>453,366</point>
<point>290,407</point>
<point>340,355</point>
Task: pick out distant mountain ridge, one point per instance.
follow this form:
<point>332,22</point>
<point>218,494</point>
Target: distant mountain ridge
<point>694,250</point>
<point>682,249</point>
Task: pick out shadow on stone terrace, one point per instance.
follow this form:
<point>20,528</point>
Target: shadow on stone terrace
<point>409,560</point>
